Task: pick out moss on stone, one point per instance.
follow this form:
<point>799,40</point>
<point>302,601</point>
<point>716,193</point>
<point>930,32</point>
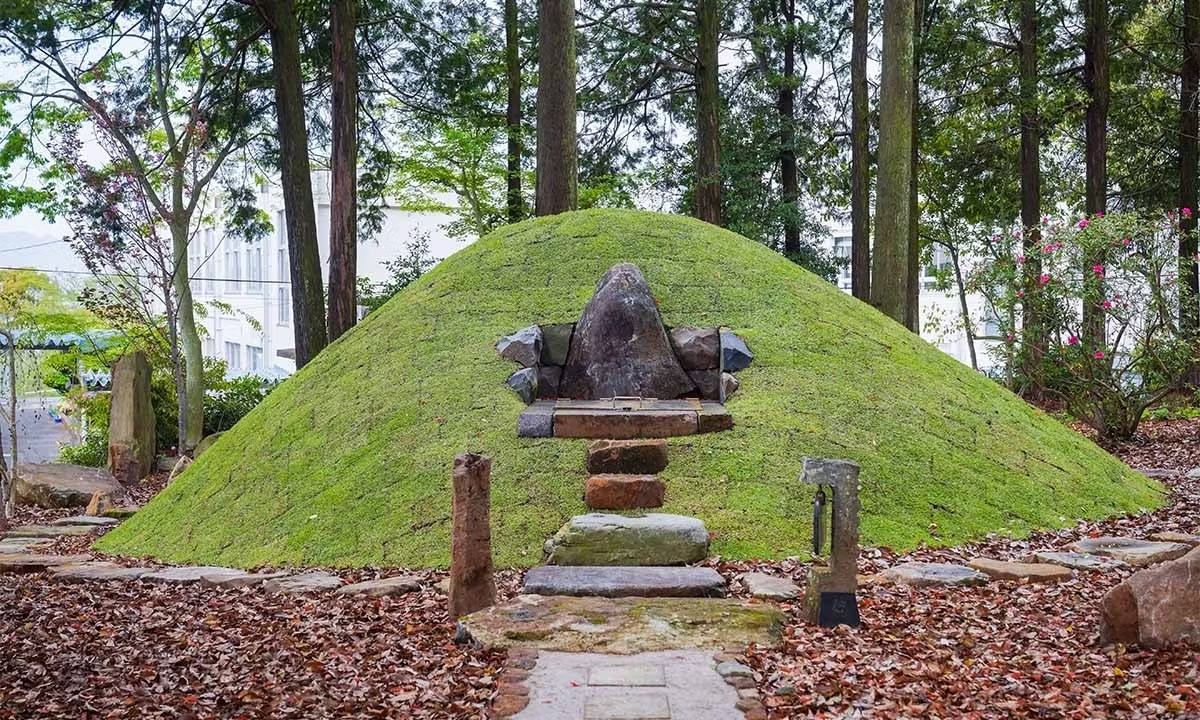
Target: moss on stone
<point>348,462</point>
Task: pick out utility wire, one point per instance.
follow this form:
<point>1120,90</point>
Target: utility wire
<point>28,247</point>
<point>144,277</point>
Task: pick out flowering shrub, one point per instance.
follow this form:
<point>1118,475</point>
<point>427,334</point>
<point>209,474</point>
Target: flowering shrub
<point>1124,266</point>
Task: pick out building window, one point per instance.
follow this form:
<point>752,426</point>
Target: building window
<point>233,270</point>
<point>253,358</point>
<point>841,251</point>
<point>210,347</point>
<point>283,292</point>
<point>233,356</point>
<point>254,274</point>
<point>194,261</point>
<point>210,249</point>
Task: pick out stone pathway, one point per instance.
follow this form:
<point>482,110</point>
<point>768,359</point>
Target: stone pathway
<point>677,684</point>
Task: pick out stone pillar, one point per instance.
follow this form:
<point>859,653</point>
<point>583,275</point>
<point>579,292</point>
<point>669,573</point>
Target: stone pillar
<point>131,420</point>
<point>831,597</point>
<point>472,585</point>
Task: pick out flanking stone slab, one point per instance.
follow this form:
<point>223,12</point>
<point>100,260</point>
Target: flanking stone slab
<point>593,581</point>
<point>49,531</point>
<point>627,457</point>
<point>307,582</point>
<point>87,520</point>
<point>537,420</point>
<point>31,562</point>
<point>98,570</point>
<point>61,485</point>
<point>189,574</point>
<point>604,539</point>
<point>624,492</point>
<point>1078,561</point>
<point>398,585</point>
<point>625,625</point>
<point>769,587</point>
<point>921,574</point>
<point>240,579</point>
<point>1033,572</point>
<point>1132,551</point>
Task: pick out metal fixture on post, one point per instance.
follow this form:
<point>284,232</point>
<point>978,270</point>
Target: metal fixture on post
<point>832,590</point>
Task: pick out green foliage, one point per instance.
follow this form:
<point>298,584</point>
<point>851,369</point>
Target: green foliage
<point>93,451</point>
<point>402,271</point>
<point>225,401</point>
<point>348,462</point>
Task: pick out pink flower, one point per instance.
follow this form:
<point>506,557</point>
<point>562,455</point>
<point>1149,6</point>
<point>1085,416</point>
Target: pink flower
<point>1021,258</point>
<point>1100,214</point>
<point>1098,269</point>
<point>1107,304</point>
<point>1045,219</point>
<point>1127,242</point>
<point>1072,340</point>
<point>1082,223</point>
<point>1187,212</point>
<point>1043,279</point>
<point>1020,293</point>
<point>1099,355</point>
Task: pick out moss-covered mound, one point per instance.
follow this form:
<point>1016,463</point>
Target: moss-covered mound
<point>348,462</point>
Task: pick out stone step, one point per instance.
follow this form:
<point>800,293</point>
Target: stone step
<point>30,562</point>
<point>1132,551</point>
<point>1077,561</point>
<point>594,581</point>
<point>86,520</point>
<point>605,539</point>
<point>1033,572</point>
<point>624,492</point>
<point>98,570</point>
<point>627,457</point>
<point>49,531</point>
<point>922,574</point>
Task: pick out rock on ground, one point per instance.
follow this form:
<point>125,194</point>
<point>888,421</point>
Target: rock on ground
<point>398,585</point>
<point>97,571</point>
<point>770,587</point>
<point>1132,551</point>
<point>61,485</point>
<point>1156,607</point>
<point>624,492</point>
<point>307,582</point>
<point>588,581</point>
<point>627,457</point>
<point>29,562</point>
<point>1078,561</point>
<point>921,574</point>
<point>653,539</point>
<point>1033,572</point>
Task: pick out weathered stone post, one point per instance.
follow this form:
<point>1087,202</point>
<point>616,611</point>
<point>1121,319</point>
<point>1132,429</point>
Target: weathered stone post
<point>472,585</point>
<point>831,596</point>
<point>131,420</point>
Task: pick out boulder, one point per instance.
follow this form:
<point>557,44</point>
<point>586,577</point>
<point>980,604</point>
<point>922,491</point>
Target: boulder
<point>524,346</point>
<point>624,492</point>
<point>735,354</point>
<point>548,379</point>
<point>620,346</point>
<point>603,539</point>
<point>624,581</point>
<point>708,383</point>
<point>1132,551</point>
<point>205,443</point>
<point>1033,572</point>
<point>398,585</point>
<point>697,348</point>
<point>635,457</point>
<point>556,343</point>
<point>921,574</point>
<point>131,420</point>
<point>1155,607</point>
<point>729,385</point>
<point>59,485</point>
<point>769,587</point>
<point>524,383</point>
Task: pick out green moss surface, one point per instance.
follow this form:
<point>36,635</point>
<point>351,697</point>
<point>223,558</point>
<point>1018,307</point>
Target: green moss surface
<point>348,462</point>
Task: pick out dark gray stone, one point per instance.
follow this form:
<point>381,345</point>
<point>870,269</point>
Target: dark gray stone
<point>708,382</point>
<point>729,385</point>
<point>620,346</point>
<point>524,383</point>
<point>524,346</point>
<point>735,353</point>
<point>548,378</point>
<point>537,420</point>
<point>556,343</point>
<point>604,539</point>
<point>624,581</point>
<point>697,348</point>
<point>59,485</point>
<point>730,668</point>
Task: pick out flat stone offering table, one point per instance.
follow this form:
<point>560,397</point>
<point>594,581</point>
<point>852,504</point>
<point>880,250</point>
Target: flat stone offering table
<point>622,418</point>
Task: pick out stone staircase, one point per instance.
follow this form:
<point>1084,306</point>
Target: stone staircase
<point>604,554</point>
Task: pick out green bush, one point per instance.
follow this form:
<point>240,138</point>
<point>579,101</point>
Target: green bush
<point>93,451</point>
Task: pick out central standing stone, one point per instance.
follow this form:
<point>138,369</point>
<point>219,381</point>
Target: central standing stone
<point>620,346</point>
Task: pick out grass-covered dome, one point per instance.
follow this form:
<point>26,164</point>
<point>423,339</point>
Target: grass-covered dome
<point>348,462</point>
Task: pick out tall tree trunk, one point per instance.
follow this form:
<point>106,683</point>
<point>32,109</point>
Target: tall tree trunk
<point>308,303</point>
<point>912,310</point>
<point>343,164</point>
<point>860,192</point>
<point>1095,79</point>
<point>708,109</point>
<point>890,272</point>
<point>192,405</point>
<point>557,155</point>
<point>1033,342</point>
<point>1189,156</point>
<point>787,132</point>
<point>512,65</point>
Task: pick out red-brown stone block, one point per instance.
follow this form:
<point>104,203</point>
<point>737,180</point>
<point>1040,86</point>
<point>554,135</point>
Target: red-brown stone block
<point>624,492</point>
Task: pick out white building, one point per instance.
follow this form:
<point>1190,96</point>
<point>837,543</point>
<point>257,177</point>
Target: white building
<point>253,332</point>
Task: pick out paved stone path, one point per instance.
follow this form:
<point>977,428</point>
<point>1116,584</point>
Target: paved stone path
<point>678,685</point>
